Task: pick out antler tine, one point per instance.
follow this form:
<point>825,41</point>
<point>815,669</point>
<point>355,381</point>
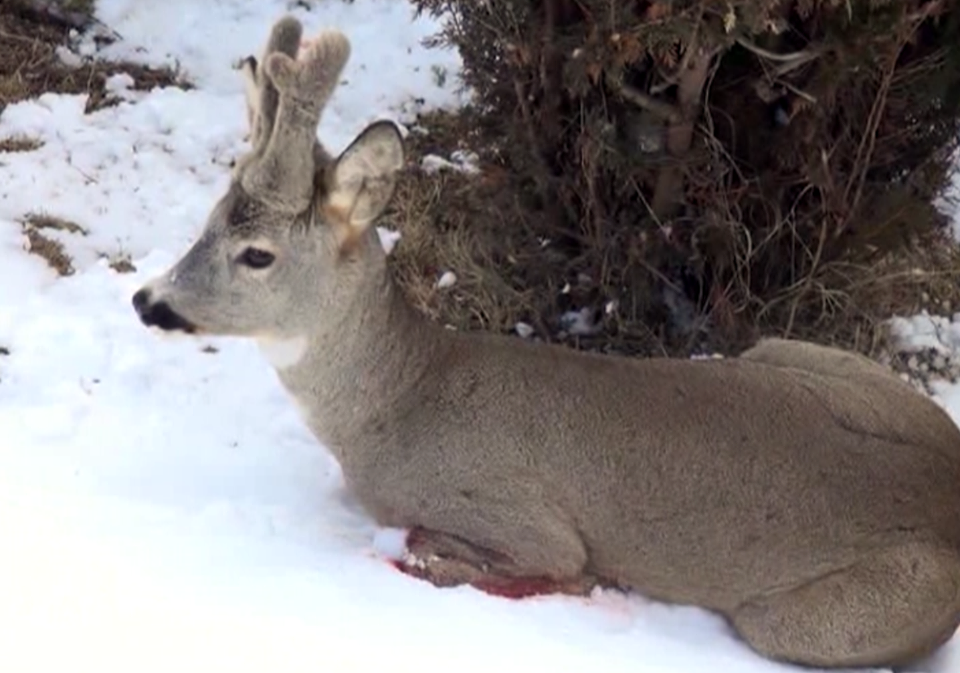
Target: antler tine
<point>283,174</point>
<point>261,96</point>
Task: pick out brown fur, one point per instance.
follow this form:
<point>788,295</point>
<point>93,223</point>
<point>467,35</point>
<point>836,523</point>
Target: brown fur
<point>806,494</point>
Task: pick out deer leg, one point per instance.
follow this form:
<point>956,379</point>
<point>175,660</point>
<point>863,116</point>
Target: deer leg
<point>890,609</point>
<point>447,560</point>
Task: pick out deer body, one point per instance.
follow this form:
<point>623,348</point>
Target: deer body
<point>806,494</point>
<point>709,483</point>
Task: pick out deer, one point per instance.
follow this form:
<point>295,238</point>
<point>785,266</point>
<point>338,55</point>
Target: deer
<point>806,494</point>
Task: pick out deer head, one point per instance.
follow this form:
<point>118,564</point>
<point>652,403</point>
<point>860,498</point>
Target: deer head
<point>283,244</point>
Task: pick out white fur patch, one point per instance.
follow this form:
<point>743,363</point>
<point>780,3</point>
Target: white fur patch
<point>283,353</point>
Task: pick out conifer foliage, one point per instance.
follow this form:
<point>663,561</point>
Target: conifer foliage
<point>768,166</point>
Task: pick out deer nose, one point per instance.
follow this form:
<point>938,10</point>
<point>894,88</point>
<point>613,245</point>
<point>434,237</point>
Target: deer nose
<point>141,300</point>
<point>159,314</point>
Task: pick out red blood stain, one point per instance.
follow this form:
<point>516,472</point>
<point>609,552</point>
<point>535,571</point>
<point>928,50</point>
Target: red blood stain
<point>401,566</point>
<point>512,588</point>
<point>518,588</point>
<point>503,587</point>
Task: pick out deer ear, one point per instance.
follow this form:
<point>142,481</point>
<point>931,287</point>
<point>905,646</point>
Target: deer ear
<point>361,181</point>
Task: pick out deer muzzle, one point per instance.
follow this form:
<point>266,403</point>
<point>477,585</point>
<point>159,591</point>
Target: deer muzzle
<point>159,314</point>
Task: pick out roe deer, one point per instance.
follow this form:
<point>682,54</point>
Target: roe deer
<point>804,493</point>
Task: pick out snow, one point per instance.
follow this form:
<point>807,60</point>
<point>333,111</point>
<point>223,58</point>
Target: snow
<point>580,322</point>
<point>460,161</point>
<point>524,330</point>
<point>926,331</point>
<point>446,280</point>
<point>162,506</point>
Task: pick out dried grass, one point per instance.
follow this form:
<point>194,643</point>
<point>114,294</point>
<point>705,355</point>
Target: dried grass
<point>44,246</point>
<point>512,267</point>
<point>19,143</point>
<point>510,262</point>
<point>30,66</point>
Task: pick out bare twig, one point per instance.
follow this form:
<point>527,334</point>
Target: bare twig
<point>869,139</point>
<point>18,38</point>
<point>793,57</point>
<point>810,98</point>
<point>786,63</point>
<point>808,282</point>
<point>660,108</point>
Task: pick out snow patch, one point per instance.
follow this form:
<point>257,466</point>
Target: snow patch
<point>388,238</point>
<point>447,280</point>
<point>581,323</point>
<point>459,161</point>
<point>524,330</point>
<point>925,331</point>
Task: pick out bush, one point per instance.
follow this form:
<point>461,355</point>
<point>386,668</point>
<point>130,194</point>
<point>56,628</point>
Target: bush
<point>720,169</point>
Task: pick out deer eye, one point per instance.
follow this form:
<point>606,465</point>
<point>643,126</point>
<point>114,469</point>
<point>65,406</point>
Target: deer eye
<point>256,258</point>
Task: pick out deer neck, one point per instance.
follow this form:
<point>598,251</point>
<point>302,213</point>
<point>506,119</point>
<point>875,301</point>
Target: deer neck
<point>367,352</point>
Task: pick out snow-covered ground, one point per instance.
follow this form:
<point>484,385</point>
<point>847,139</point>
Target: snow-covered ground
<point>162,507</point>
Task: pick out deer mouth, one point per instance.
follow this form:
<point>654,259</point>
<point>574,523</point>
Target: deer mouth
<point>160,314</point>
